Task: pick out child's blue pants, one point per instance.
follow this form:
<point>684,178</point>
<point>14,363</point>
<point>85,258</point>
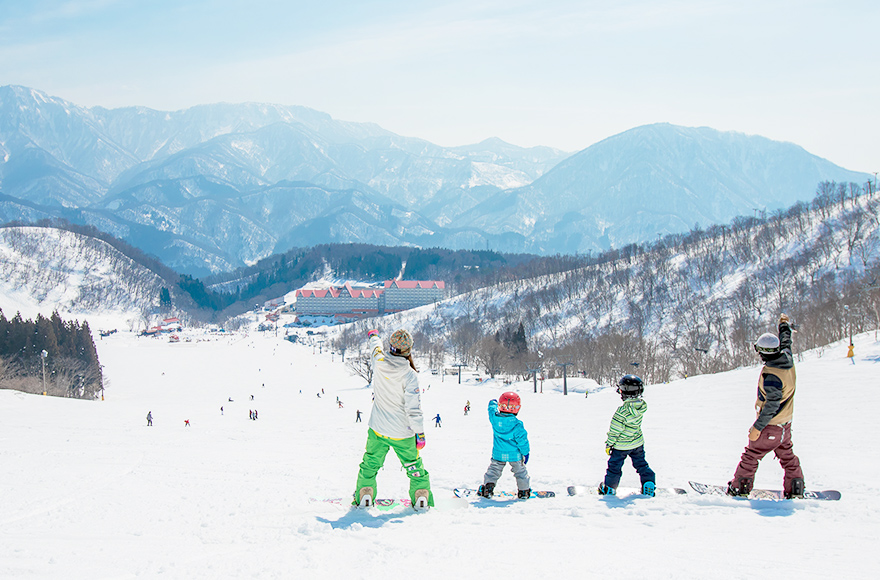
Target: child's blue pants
<point>615,465</point>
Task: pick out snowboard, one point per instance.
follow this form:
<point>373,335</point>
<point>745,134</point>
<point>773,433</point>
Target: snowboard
<point>768,494</point>
<point>381,504</point>
<point>465,492</point>
<point>623,491</point>
<point>390,504</point>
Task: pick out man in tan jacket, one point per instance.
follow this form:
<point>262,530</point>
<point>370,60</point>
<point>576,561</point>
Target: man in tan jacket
<point>771,430</point>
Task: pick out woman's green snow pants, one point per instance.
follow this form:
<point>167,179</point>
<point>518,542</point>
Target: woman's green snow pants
<point>374,459</point>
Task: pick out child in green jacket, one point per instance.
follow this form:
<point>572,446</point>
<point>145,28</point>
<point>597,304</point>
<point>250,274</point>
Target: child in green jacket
<point>625,438</point>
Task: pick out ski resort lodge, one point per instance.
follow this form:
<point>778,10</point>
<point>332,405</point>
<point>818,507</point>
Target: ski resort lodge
<point>348,302</point>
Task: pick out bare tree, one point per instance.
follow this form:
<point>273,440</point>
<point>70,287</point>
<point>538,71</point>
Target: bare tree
<point>361,365</point>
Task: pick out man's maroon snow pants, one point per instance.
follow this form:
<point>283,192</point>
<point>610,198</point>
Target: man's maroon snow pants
<point>775,438</point>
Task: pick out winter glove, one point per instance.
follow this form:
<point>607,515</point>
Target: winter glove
<point>525,458</point>
<point>754,434</point>
<point>372,332</point>
<point>608,449</point>
<point>420,440</point>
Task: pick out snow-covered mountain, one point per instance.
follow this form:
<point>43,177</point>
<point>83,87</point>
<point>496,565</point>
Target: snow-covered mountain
<point>47,269</point>
<point>204,188</point>
<point>651,180</point>
<point>188,185</point>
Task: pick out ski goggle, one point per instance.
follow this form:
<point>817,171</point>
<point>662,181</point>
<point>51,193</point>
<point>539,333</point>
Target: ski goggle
<point>766,349</point>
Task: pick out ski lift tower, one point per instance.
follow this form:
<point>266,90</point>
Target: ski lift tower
<point>534,372</point>
<point>564,366</point>
<point>460,366</point>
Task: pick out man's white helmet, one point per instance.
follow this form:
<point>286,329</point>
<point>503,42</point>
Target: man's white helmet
<point>767,343</point>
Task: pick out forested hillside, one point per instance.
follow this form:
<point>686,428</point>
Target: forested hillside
<point>49,355</point>
<point>687,304</point>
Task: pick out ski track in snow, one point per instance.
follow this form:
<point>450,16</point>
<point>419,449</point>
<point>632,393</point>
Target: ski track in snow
<point>89,491</point>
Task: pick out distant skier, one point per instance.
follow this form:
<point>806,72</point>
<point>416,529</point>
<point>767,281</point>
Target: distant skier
<point>625,438</point>
<point>396,420</point>
<point>466,409</point>
<point>437,421</point>
<point>358,418</point>
<point>149,418</point>
<point>510,444</point>
<point>221,409</point>
<point>186,422</point>
<point>771,431</point>
<point>338,403</point>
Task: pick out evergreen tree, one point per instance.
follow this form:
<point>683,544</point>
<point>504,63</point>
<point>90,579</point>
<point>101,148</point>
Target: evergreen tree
<point>164,298</point>
<point>44,336</point>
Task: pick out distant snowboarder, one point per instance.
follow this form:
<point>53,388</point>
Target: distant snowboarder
<point>437,421</point>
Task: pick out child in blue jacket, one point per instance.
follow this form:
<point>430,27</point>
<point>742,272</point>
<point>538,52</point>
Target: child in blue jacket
<point>511,445</point>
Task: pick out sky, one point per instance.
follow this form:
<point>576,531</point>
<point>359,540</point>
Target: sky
<point>559,73</point>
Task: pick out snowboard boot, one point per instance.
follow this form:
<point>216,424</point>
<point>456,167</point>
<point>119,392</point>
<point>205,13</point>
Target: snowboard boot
<point>487,490</point>
<point>421,499</point>
<point>648,488</point>
<point>797,489</point>
<point>605,490</point>
<point>741,487</point>
<point>524,494</point>
<point>365,495</point>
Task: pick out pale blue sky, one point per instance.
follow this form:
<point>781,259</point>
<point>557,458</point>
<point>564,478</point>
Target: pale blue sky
<point>553,72</point>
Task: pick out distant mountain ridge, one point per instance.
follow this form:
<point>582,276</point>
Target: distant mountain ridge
<point>214,187</point>
<point>651,180</point>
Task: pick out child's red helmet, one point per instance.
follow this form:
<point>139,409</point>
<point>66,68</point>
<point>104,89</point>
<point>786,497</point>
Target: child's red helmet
<point>509,403</point>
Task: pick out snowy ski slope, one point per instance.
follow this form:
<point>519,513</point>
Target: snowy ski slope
<point>89,491</point>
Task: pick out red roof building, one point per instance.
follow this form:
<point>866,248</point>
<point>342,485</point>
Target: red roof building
<point>406,294</point>
<point>350,302</point>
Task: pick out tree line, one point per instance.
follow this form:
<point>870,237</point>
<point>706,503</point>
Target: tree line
<point>71,360</point>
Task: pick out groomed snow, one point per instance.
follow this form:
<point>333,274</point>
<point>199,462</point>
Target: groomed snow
<point>89,491</point>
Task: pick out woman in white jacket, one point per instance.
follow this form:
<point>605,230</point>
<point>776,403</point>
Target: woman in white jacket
<point>396,420</point>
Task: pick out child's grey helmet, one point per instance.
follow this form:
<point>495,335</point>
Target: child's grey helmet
<point>767,343</point>
<point>630,386</point>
